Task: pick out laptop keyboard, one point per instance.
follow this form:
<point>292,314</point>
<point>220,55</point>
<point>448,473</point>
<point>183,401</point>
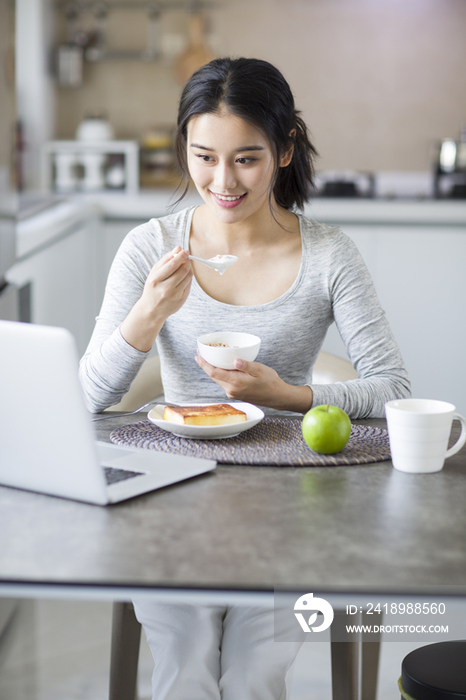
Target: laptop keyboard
<point>113,475</point>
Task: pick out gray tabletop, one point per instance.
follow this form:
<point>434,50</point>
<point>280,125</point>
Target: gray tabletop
<point>343,529</point>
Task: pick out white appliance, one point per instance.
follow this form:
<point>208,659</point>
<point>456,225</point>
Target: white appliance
<point>90,166</point>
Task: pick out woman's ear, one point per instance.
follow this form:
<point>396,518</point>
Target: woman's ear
<point>287,155</point>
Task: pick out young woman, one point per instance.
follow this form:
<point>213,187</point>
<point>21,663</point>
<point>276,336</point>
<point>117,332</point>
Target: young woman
<point>247,151</point>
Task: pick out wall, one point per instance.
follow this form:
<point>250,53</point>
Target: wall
<point>134,95</point>
<point>378,81</point>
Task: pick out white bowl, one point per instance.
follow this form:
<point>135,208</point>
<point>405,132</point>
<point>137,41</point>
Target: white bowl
<point>243,346</point>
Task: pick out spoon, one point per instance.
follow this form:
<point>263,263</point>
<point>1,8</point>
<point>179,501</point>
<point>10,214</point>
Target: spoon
<point>219,262</point>
<point>132,413</point>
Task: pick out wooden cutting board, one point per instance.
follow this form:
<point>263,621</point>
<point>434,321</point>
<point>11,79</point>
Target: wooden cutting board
<point>196,55</point>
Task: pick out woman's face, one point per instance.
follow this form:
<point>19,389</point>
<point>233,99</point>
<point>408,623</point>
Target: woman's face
<point>231,163</point>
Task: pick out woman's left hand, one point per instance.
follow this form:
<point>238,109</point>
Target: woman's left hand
<point>258,384</point>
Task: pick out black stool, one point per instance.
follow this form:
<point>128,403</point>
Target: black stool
<point>435,672</point>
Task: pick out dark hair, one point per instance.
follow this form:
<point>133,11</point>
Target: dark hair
<point>257,92</point>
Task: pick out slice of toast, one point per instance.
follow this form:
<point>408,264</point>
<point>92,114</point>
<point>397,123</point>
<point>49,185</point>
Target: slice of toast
<point>218,414</point>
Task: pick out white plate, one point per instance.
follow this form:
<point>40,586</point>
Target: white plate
<point>208,432</point>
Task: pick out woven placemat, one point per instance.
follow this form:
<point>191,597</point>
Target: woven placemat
<point>272,442</point>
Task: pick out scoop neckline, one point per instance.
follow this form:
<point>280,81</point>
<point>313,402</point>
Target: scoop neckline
<point>269,304</point>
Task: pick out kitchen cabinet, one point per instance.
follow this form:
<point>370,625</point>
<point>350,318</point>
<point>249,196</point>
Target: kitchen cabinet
<point>119,215</point>
<point>418,272</point>
<point>62,275</point>
<point>112,233</point>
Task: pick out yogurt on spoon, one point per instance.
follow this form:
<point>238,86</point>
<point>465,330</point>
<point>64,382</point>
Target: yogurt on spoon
<point>219,262</point>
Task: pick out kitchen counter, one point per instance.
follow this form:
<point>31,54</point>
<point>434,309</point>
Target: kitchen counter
<point>142,206</point>
<point>38,229</point>
<point>46,226</point>
<point>149,203</point>
<point>388,211</point>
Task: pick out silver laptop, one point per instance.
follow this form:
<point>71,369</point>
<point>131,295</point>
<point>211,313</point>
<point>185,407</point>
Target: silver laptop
<point>47,440</point>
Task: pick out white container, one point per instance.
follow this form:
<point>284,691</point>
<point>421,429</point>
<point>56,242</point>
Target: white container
<point>94,178</point>
<point>66,178</point>
<point>94,129</point>
<point>221,349</point>
<point>70,65</point>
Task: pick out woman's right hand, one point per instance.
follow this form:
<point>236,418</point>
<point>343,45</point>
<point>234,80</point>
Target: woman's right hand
<point>165,291</point>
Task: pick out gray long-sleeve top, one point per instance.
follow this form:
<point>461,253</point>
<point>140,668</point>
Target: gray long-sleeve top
<point>333,285</point>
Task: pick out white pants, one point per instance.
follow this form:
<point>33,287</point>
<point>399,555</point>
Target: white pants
<point>212,652</point>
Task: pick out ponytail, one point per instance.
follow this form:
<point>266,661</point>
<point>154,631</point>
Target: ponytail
<point>294,184</point>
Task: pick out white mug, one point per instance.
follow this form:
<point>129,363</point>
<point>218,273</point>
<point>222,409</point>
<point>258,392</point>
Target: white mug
<point>418,431</point>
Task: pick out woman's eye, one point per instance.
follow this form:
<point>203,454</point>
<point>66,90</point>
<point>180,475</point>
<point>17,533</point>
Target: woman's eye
<point>245,161</point>
<point>204,157</point>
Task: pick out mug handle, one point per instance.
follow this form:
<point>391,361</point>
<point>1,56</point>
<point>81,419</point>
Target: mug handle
<point>462,438</point>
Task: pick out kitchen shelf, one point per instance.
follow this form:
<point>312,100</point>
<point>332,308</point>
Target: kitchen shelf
<point>188,5</point>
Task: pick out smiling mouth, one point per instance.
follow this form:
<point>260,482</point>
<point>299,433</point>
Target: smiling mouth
<point>228,197</point>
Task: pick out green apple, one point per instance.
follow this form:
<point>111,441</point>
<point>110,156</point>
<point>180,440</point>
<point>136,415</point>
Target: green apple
<point>326,429</point>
